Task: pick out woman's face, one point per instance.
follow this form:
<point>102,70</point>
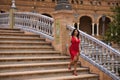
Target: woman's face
<point>76,32</point>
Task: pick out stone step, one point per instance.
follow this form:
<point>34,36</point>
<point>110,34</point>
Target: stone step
<point>36,66</point>
<point>34,61</point>
<point>16,29</point>
<point>28,53</point>
<point>11,31</point>
<point>2,48</point>
<point>41,73</point>
<point>70,77</point>
<point>24,46</point>
<point>17,34</point>
<point>28,49</point>
<point>33,58</point>
<point>21,38</point>
<point>24,43</point>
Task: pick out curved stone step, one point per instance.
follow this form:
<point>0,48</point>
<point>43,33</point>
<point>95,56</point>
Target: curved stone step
<point>15,48</point>
<point>17,34</point>
<point>23,47</point>
<point>24,43</point>
<point>70,77</point>
<point>11,31</point>
<point>43,73</point>
<point>28,53</point>
<point>21,38</point>
<point>32,58</point>
<point>34,66</point>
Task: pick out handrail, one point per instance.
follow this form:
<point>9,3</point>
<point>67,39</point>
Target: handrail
<point>99,54</point>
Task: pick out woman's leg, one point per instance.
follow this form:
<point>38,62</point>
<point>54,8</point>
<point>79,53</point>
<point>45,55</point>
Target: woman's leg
<point>75,65</point>
<point>69,65</point>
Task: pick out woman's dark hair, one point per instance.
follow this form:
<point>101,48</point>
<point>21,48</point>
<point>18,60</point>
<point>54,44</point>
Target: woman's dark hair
<point>72,34</point>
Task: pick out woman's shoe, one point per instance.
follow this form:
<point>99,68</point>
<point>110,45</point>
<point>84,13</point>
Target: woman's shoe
<point>75,73</point>
<point>69,67</point>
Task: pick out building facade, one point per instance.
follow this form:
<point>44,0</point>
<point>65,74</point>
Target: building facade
<point>90,16</point>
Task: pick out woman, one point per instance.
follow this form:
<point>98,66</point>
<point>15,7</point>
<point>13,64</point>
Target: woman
<point>74,50</point>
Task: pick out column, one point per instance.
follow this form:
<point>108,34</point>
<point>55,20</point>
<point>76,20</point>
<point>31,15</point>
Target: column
<point>93,29</point>
<point>97,29</point>
<point>78,25</point>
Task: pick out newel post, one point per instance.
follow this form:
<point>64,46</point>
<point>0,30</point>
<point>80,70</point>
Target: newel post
<point>12,10</point>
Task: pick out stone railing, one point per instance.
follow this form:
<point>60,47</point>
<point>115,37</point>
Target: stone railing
<point>4,19</point>
<point>99,54</point>
<point>32,22</point>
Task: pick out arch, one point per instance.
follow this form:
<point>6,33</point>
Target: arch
<point>91,16</point>
<point>103,26</point>
<point>47,14</point>
<point>86,24</point>
<point>101,16</point>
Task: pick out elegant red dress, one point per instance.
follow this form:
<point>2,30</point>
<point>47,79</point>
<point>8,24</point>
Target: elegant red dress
<point>74,47</point>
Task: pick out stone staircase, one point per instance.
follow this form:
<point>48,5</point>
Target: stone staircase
<point>30,57</point>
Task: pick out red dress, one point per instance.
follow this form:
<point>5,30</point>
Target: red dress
<point>74,48</point>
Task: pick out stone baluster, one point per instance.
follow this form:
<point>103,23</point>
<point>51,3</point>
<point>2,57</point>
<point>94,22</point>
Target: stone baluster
<point>104,56</point>
<point>85,46</point>
<point>117,65</point>
<point>93,51</point>
<point>112,64</point>
<point>100,57</point>
<point>108,59</point>
<point>97,55</point>
<point>116,68</point>
<point>82,44</point>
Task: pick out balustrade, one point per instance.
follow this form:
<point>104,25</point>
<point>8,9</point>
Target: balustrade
<point>100,54</point>
<point>32,22</point>
<point>4,18</point>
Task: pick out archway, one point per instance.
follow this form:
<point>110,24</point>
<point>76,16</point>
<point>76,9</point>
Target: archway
<point>103,26</point>
<point>86,24</point>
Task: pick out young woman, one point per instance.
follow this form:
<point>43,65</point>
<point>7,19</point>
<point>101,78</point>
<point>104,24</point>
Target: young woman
<point>74,50</point>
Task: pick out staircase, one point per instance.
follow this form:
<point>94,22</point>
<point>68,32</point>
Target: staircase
<point>30,57</point>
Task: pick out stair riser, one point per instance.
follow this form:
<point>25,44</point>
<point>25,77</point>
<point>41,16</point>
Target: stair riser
<point>36,68</point>
<point>32,60</point>
<point>27,44</point>
<point>33,49</point>
<point>42,75</point>
<point>21,39</point>
<point>93,78</point>
<point>4,37</point>
<point>20,32</point>
<point>18,35</point>
<point>9,29</point>
<point>28,54</point>
<point>26,78</point>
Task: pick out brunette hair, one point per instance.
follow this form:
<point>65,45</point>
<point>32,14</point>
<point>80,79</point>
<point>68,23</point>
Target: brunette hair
<point>72,34</point>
